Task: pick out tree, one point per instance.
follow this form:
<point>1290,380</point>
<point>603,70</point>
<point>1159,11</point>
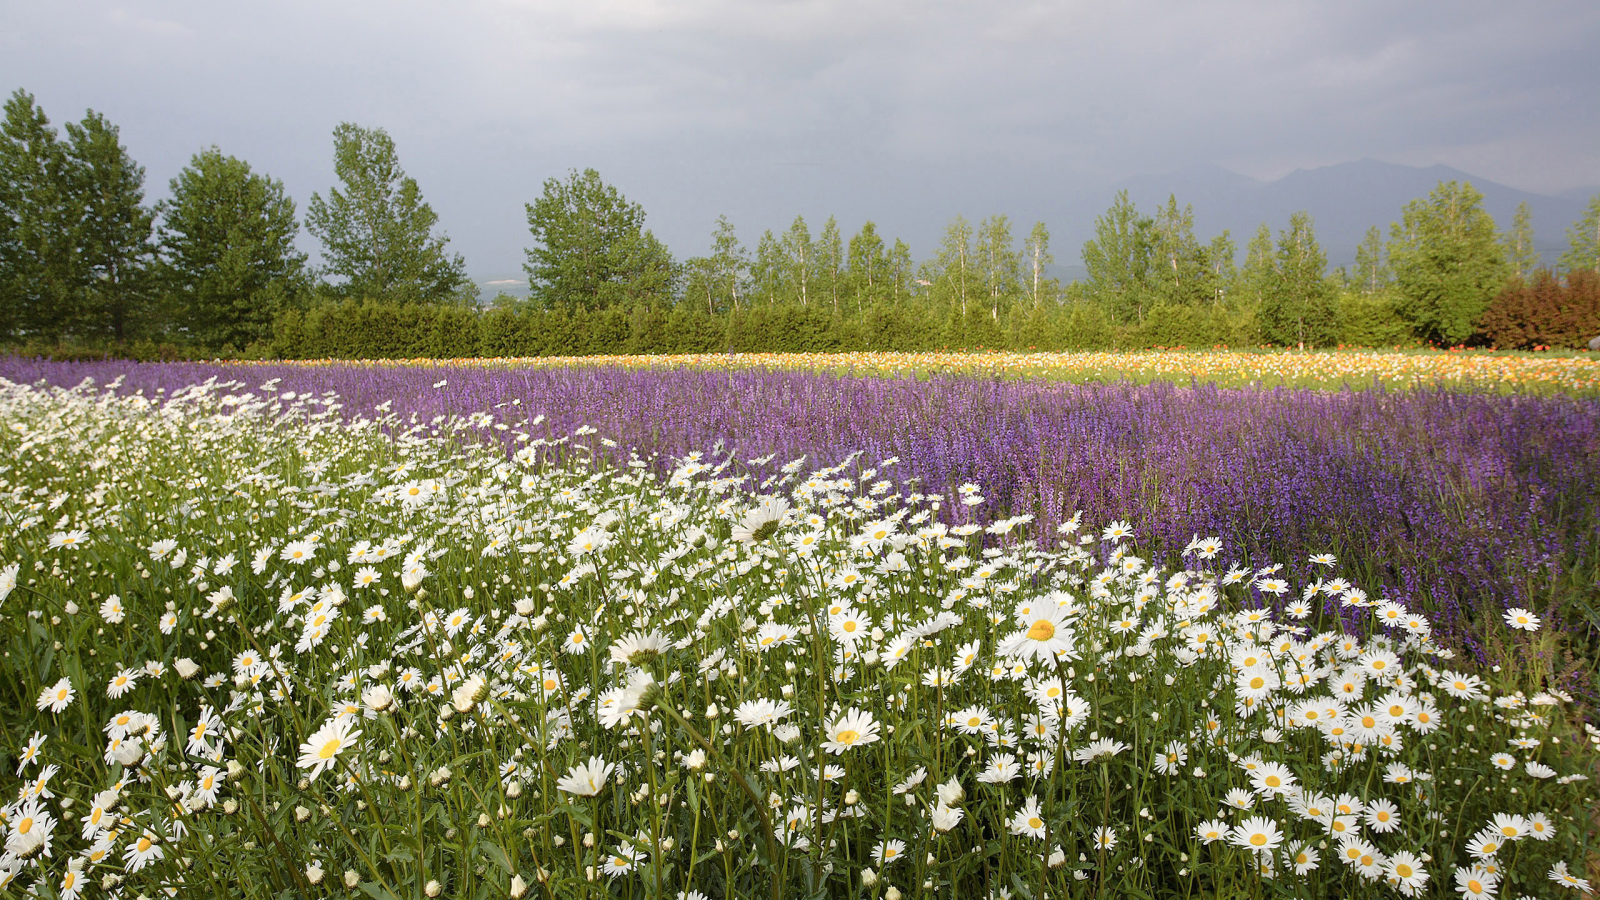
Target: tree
<point>869,277</point>
<point>1179,276</point>
<point>954,263</point>
<point>1584,240</point>
<point>796,243</point>
<point>997,258</point>
<point>1448,262</point>
<point>1260,271</point>
<point>75,236</point>
<point>1299,305</point>
<point>377,234</point>
<point>591,249</point>
<point>728,261</point>
<point>1221,263</point>
<point>1037,252</point>
<point>767,273</point>
<point>1372,273</point>
<point>1118,258</point>
<point>229,263</point>
<point>716,281</point>
<point>900,270</point>
<point>41,282</point>
<point>830,260</point>
<point>1520,255</point>
<point>115,240</point>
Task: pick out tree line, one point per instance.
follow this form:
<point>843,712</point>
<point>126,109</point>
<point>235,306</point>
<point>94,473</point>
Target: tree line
<point>86,265</point>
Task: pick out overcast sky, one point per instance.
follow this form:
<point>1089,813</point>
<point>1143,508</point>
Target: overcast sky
<point>903,111</point>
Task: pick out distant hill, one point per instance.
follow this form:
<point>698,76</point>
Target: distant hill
<point>1344,200</point>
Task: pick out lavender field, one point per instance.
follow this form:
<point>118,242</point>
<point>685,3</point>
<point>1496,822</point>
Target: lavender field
<point>1460,504</point>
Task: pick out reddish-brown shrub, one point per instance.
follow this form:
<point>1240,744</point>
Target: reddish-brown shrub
<point>1545,311</point>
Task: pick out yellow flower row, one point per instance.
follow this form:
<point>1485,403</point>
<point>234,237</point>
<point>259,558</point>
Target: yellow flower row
<point>1579,373</point>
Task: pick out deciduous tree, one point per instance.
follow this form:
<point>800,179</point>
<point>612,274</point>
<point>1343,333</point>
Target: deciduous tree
<point>1583,251</point>
<point>1448,262</point>
<point>378,233</point>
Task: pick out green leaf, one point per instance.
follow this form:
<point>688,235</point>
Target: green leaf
<point>498,854</point>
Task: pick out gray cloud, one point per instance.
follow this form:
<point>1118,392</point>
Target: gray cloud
<point>904,112</point>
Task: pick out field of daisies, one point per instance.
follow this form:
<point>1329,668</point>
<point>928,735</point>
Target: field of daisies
<point>257,646</point>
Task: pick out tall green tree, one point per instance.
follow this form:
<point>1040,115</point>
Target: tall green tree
<point>116,238</point>
<point>1372,271</point>
<point>1520,255</point>
<point>229,263</point>
<point>869,278</point>
<point>1036,256</point>
<point>1222,265</point>
<point>1118,258</point>
<point>1180,273</point>
<point>377,233</point>
<point>75,236</point>
<point>730,263</point>
<point>1448,262</point>
<point>830,261</point>
<point>1259,275</point>
<point>591,249</point>
<point>1583,251</point>
<point>998,263</point>
<point>1299,308</point>
<point>768,270</point>
<point>957,273</point>
<point>901,271</point>
<point>41,280</point>
<point>718,281</point>
<point>801,261</point>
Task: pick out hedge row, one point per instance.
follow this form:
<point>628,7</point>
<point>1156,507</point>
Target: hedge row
<point>370,330</point>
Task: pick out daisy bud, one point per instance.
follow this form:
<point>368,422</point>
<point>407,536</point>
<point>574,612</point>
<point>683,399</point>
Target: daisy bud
<point>852,797</point>
<point>377,698</point>
<point>72,608</point>
<point>129,752</point>
<point>230,806</point>
<point>186,668</point>
<point>514,790</point>
<point>469,693</point>
<point>868,877</point>
<point>712,712</point>
<point>543,875</point>
<point>314,873</point>
<point>483,820</point>
<point>893,893</point>
<point>351,879</point>
<point>301,814</point>
<point>518,886</point>
<point>433,888</point>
